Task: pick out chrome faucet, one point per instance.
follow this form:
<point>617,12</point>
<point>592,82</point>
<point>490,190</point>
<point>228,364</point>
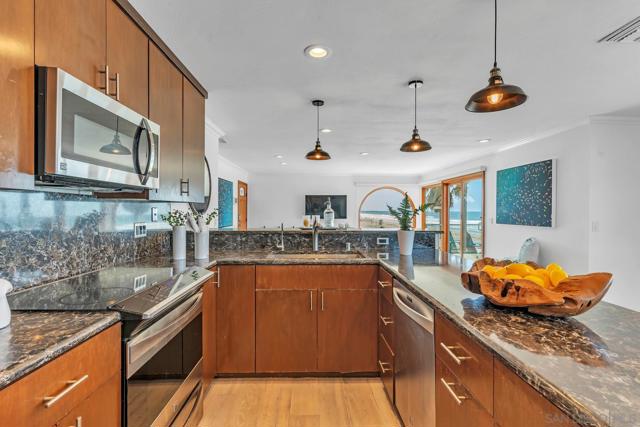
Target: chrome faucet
<point>314,234</point>
<point>281,244</point>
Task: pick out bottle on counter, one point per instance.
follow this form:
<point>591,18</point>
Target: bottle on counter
<point>329,215</point>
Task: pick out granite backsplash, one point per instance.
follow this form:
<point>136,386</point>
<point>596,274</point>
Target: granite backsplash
<point>46,236</point>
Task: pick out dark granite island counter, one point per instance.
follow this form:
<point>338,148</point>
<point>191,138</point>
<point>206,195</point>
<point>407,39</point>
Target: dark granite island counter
<point>588,365</point>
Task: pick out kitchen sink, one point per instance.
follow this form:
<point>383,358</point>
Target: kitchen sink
<point>320,255</point>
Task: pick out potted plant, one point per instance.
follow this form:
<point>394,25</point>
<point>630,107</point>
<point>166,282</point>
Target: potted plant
<point>201,230</point>
<point>405,214</point>
<point>177,219</point>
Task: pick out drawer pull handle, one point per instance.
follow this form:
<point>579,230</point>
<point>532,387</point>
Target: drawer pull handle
<point>382,366</point>
<point>449,349</point>
<point>449,387</point>
<point>386,320</point>
<point>383,284</point>
<point>49,401</point>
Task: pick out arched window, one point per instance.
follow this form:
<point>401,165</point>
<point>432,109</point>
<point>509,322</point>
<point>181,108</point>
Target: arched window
<point>373,211</point>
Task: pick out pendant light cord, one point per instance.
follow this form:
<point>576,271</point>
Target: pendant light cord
<point>495,33</point>
<point>317,123</point>
<point>415,105</point>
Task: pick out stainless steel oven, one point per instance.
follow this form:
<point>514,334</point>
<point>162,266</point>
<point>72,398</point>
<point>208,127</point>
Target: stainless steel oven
<point>163,369</point>
<point>86,138</point>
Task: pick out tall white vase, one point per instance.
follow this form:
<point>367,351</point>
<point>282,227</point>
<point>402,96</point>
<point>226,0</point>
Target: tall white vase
<point>179,242</point>
<point>405,241</point>
<point>202,244</point>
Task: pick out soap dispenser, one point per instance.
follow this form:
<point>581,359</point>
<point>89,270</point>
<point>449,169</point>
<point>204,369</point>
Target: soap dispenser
<point>329,215</point>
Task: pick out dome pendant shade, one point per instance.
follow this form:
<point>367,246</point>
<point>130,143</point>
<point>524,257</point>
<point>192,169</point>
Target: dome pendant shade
<point>115,147</point>
<point>318,153</point>
<point>496,96</point>
<point>415,144</point>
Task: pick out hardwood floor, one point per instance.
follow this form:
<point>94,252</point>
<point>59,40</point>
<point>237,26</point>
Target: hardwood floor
<point>298,402</point>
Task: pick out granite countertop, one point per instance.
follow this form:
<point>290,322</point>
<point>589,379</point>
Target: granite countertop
<point>34,338</point>
<point>587,365</point>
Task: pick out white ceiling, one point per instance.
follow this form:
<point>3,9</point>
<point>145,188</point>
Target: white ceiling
<point>248,54</point>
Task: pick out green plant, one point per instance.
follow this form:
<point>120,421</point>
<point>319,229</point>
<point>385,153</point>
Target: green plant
<point>405,212</point>
<point>175,218</point>
<point>208,219</point>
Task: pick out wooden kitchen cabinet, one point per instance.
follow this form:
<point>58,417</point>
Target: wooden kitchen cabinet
<point>127,50</point>
<point>235,319</point>
<point>16,88</point>
<point>455,406</point>
<point>101,409</point>
<point>193,142</point>
<point>209,328</point>
<point>518,404</point>
<point>91,365</point>
<point>71,34</point>
<point>165,108</point>
<point>347,330</point>
<point>286,330</point>
<point>386,368</point>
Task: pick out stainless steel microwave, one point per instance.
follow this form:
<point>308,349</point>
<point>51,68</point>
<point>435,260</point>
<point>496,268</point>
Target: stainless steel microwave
<point>85,138</point>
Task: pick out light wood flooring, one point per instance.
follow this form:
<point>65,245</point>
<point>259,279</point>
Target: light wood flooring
<point>298,402</point>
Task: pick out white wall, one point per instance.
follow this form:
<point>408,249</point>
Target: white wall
<point>276,199</point>
<point>614,204</point>
<point>568,242</point>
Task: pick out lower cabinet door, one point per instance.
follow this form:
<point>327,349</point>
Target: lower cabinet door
<point>286,330</point>
<point>386,368</point>
<point>455,407</point>
<point>347,330</point>
<point>100,409</point>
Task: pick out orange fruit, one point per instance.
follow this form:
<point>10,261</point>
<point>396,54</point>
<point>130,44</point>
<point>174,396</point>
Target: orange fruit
<point>553,266</point>
<point>535,279</point>
<point>512,276</point>
<point>544,275</point>
<point>519,269</point>
<point>498,273</point>
<point>557,276</point>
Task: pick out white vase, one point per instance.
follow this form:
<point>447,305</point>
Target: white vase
<point>405,241</point>
<point>179,242</point>
<point>202,244</point>
<point>5,311</point>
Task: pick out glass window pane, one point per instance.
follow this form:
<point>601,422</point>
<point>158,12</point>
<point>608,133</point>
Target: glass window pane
<point>374,212</point>
<point>455,210</point>
<point>473,219</point>
<point>433,213</point>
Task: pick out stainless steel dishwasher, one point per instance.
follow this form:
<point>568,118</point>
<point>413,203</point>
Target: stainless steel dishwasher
<point>415,359</point>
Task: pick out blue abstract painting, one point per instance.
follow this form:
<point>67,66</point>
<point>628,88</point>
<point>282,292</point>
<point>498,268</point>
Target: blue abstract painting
<point>525,195</point>
<point>225,203</point>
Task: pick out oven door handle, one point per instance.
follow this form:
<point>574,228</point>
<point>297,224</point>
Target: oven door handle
<point>142,348</point>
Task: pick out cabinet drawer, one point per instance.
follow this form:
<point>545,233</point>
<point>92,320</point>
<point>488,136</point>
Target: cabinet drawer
<point>455,406</point>
<point>385,367</point>
<point>469,362</point>
<point>385,284</point>
<point>529,407</point>
<point>68,379</point>
<point>385,321</point>
<point>100,409</point>
<point>316,276</point>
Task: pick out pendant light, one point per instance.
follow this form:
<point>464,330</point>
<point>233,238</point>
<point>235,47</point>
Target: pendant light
<point>415,144</point>
<point>115,147</point>
<point>317,153</point>
<point>496,96</point>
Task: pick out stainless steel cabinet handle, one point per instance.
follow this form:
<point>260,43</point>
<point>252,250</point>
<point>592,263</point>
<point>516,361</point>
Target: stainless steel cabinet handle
<point>386,320</point>
<point>184,182</point>
<point>382,366</point>
<point>311,300</point>
<point>78,422</point>
<point>449,349</point>
<point>322,300</point>
<point>116,80</point>
<point>105,88</point>
<point>49,401</point>
<point>383,284</point>
<point>453,394</point>
<point>219,278</point>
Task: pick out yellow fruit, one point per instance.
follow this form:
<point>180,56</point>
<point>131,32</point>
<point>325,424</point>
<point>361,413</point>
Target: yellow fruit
<point>519,269</point>
<point>544,275</point>
<point>557,276</point>
<point>535,279</point>
<point>488,268</point>
<point>553,266</point>
<point>498,273</point>
<point>512,276</point>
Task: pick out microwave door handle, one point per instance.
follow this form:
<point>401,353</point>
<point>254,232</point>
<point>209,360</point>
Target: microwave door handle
<point>144,175</point>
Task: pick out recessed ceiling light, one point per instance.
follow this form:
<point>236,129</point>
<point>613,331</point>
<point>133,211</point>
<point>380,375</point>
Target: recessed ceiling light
<point>316,51</point>
<point>325,130</point>
<point>364,153</point>
<point>278,156</point>
<point>284,163</point>
<point>484,141</point>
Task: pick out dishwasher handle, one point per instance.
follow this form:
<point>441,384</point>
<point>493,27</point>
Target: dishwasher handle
<point>420,313</point>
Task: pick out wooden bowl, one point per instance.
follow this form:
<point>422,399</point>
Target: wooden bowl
<point>573,295</point>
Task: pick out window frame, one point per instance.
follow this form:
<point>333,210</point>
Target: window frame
<point>385,187</point>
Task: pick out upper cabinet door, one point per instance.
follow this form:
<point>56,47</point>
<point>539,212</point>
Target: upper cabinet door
<point>193,143</point>
<point>71,34</point>
<point>165,108</point>
<point>128,60</point>
<point>16,89</point>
